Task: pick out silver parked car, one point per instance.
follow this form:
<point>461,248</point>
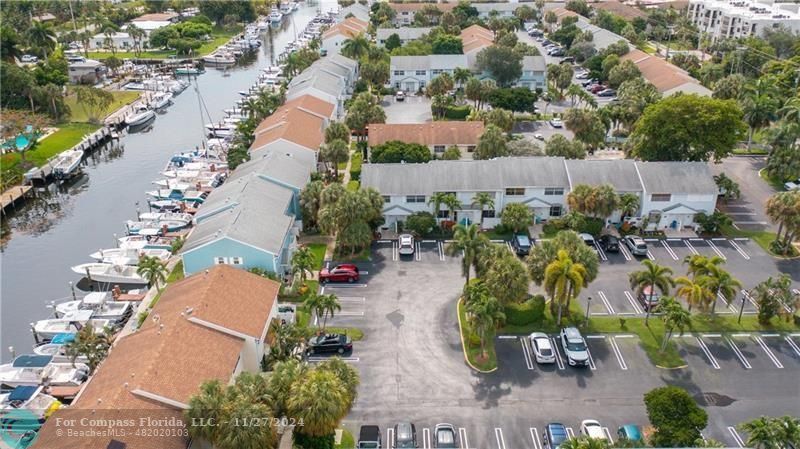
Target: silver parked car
<point>406,245</point>
<point>636,245</point>
<point>574,347</point>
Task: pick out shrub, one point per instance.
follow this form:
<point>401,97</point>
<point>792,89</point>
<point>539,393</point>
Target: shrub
<point>591,225</point>
<point>309,442</point>
<point>355,166</point>
<point>528,312</point>
<point>421,223</point>
<point>457,112</point>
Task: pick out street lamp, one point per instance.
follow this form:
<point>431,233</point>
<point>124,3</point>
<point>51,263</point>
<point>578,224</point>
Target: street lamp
<point>588,306</point>
<point>741,309</point>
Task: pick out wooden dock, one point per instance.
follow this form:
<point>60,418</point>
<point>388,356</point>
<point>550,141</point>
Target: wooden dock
<point>14,194</point>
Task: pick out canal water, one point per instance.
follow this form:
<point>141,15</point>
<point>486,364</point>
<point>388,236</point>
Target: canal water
<point>54,232</point>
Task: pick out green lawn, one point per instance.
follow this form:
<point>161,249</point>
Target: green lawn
<point>220,37</point>
<point>348,442</point>
<point>775,183</point>
<point>318,250</point>
<point>352,186</point>
<point>346,256</point>
<point>177,273</point>
<point>67,136</point>
<point>472,347</point>
<point>494,235</point>
<point>79,114</point>
<point>762,238</point>
<point>355,162</point>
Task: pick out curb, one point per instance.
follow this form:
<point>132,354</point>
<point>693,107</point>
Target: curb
<point>463,346</point>
<point>673,368</point>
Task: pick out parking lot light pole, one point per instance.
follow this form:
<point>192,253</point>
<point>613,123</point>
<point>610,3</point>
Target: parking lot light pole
<point>588,305</point>
<point>741,309</point>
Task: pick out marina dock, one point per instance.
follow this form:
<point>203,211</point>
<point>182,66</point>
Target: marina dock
<point>87,145</point>
<point>12,195</point>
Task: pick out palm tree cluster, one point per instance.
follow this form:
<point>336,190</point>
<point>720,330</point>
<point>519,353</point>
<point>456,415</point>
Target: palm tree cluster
<point>152,270</point>
<point>92,345</point>
<point>351,216</point>
<point>563,281</point>
<point>323,307</point>
<point>483,311</point>
<point>595,201</point>
<point>767,432</point>
<point>652,277</point>
<point>316,399</point>
<point>775,297</point>
<point>784,209</point>
<point>303,263</point>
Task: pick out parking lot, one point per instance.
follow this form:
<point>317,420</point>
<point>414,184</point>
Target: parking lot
<point>414,109</point>
<point>412,365</point>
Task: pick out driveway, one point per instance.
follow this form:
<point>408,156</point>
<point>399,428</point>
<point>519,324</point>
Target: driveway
<point>415,109</point>
<point>748,211</point>
<point>529,129</point>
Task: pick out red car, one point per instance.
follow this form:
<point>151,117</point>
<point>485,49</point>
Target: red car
<point>345,272</point>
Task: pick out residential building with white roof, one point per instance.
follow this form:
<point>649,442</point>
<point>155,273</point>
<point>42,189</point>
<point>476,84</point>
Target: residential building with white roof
<point>721,19</point>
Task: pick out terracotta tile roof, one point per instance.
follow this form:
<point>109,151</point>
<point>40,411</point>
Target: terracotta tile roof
<point>562,12</point>
<point>155,17</point>
<point>433,133</point>
<point>414,7</point>
<point>663,75</point>
<point>476,37</point>
<point>171,356</point>
<point>301,126</point>
<point>625,11</point>
<point>350,28</point>
<point>311,103</point>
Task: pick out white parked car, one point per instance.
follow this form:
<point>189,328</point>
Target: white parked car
<point>791,186</point>
<point>538,136</point>
<point>592,429</point>
<point>556,123</point>
<point>28,58</point>
<point>406,245</point>
<point>543,350</point>
<point>400,96</point>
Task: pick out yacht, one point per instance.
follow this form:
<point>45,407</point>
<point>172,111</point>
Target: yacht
<point>161,100</point>
<point>72,322</point>
<point>129,256</point>
<point>57,348</point>
<point>68,163</point>
<point>106,272</point>
<point>275,16</point>
<point>220,58</point>
<point>33,370</point>
<point>262,24</point>
<point>286,9</point>
<point>102,306</point>
<point>143,242</point>
<point>139,116</point>
<point>154,227</point>
<point>38,407</point>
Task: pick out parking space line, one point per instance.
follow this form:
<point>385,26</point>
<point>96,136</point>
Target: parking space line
<point>390,437</point>
<point>729,304</point>
<point>618,353</point>
<point>570,433</point>
<point>592,366</point>
<point>768,351</point>
<point>650,255</point>
<point>669,250</point>
<point>606,303</point>
<point>462,434</point>
<point>707,352</point>
<point>689,245</point>
<point>440,245</point>
<point>537,444</point>
<point>736,438</point>
<point>418,251</point>
<point>322,359</point>
<point>750,298</point>
<point>526,352</point>
<point>608,435</point>
<point>498,435</point>
<point>633,302</point>
<point>394,250</point>
<point>792,344</point>
<point>426,438</point>
<point>600,252</point>
<point>716,250</point>
<point>510,248</point>
<point>559,361</point>
<point>738,353</point>
<point>739,249</point>
<point>625,253</point>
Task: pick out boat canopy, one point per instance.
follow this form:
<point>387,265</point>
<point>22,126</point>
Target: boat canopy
<point>32,361</point>
<point>62,339</point>
<point>23,393</point>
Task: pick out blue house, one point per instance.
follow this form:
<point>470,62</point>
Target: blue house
<point>534,73</point>
<point>248,222</point>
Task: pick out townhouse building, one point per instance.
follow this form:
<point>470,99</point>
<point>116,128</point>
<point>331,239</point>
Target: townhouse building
<point>721,19</point>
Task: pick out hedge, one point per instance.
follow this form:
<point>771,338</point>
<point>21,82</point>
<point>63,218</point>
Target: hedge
<point>355,166</point>
<point>457,112</point>
<point>528,312</point>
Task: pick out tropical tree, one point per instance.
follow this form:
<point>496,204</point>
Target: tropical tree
<point>694,292</point>
<point>452,203</point>
<point>9,44</point>
<point>653,276</point>
<point>546,251</point>
<point>484,314</point>
<point>720,282</point>
<point>468,242</point>
<point>698,264</point>
<point>207,406</point>
<point>321,400</point>
<point>355,47</point>
<point>42,36</point>
<point>675,416</point>
<point>504,274</point>
<point>322,306</point>
<point>461,75</point>
<point>437,199</point>
<point>563,280</point>
<point>628,204</point>
<point>483,200</point>
<point>516,216</point>
<point>337,131</point>
<point>491,144</point>
<point>152,270</point>
<point>784,208</point>
<point>760,106</point>
<point>596,201</point>
<point>335,152</point>
<point>303,262</point>
<point>727,187</point>
<point>93,346</point>
<point>772,433</point>
<point>286,339</point>
<point>346,374</point>
<point>310,202</point>
<point>137,34</point>
<point>674,317</point>
<point>775,297</point>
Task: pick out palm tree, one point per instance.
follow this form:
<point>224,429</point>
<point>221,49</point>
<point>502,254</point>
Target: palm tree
<point>698,264</point>
<point>674,317</point>
<point>653,276</point>
<point>329,304</point>
<point>346,374</point>
<point>468,241</point>
<point>484,314</point>
<point>137,34</point>
<point>762,433</point>
<point>694,292</point>
<point>92,345</point>
<point>109,40</point>
<point>86,38</point>
<point>484,200</point>
<point>563,280</point>
<point>286,338</point>
<point>335,152</point>
<point>721,283</point>
<point>320,400</point>
<point>10,44</point>
<point>790,431</point>
<point>356,47</point>
<point>790,112</point>
<point>337,130</point>
<point>42,36</point>
<point>760,106</point>
<point>453,204</point>
<point>152,270</point>
<point>303,262</point>
<point>628,204</point>
<point>206,406</point>
<point>437,199</point>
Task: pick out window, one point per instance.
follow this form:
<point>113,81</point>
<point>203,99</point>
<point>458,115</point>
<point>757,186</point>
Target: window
<point>515,191</point>
<point>555,210</point>
<point>489,213</point>
<point>438,148</point>
<point>399,73</point>
<point>421,72</point>
<point>415,199</point>
<point>660,197</point>
<point>236,261</point>
<point>470,148</point>
<point>228,261</point>
<point>387,198</point>
<point>443,214</point>
<point>219,261</point>
<point>436,71</point>
<point>554,191</point>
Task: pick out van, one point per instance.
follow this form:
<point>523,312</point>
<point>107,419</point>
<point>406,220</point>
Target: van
<point>369,437</point>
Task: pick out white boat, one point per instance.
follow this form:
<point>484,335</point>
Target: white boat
<point>220,58</point>
<point>139,116</point>
<point>161,100</point>
<point>32,369</point>
<point>106,272</point>
<point>129,256</point>
<point>262,24</point>
<point>286,9</point>
<point>57,348</point>
<point>68,163</point>
<point>38,407</point>
<point>165,216</point>
<point>154,227</point>
<point>70,323</point>
<point>141,241</point>
<point>102,306</point>
<point>295,6</point>
<point>275,16</point>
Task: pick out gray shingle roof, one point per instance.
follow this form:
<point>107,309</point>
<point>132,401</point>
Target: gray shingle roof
<point>358,10</point>
<point>601,37</point>
<point>405,33</point>
<point>313,77</point>
<point>342,60</point>
<point>290,169</point>
<point>677,177</point>
<point>249,209</point>
<point>442,62</point>
<point>619,173</point>
<point>534,63</point>
<point>451,176</point>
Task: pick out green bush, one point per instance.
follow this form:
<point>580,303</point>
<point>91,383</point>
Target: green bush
<point>592,225</point>
<point>528,312</point>
<point>457,112</point>
<point>309,442</point>
<point>355,166</point>
<point>388,91</point>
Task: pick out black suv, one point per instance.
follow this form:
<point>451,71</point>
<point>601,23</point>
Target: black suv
<point>329,343</point>
<point>521,244</point>
<point>369,437</point>
<point>609,243</point>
